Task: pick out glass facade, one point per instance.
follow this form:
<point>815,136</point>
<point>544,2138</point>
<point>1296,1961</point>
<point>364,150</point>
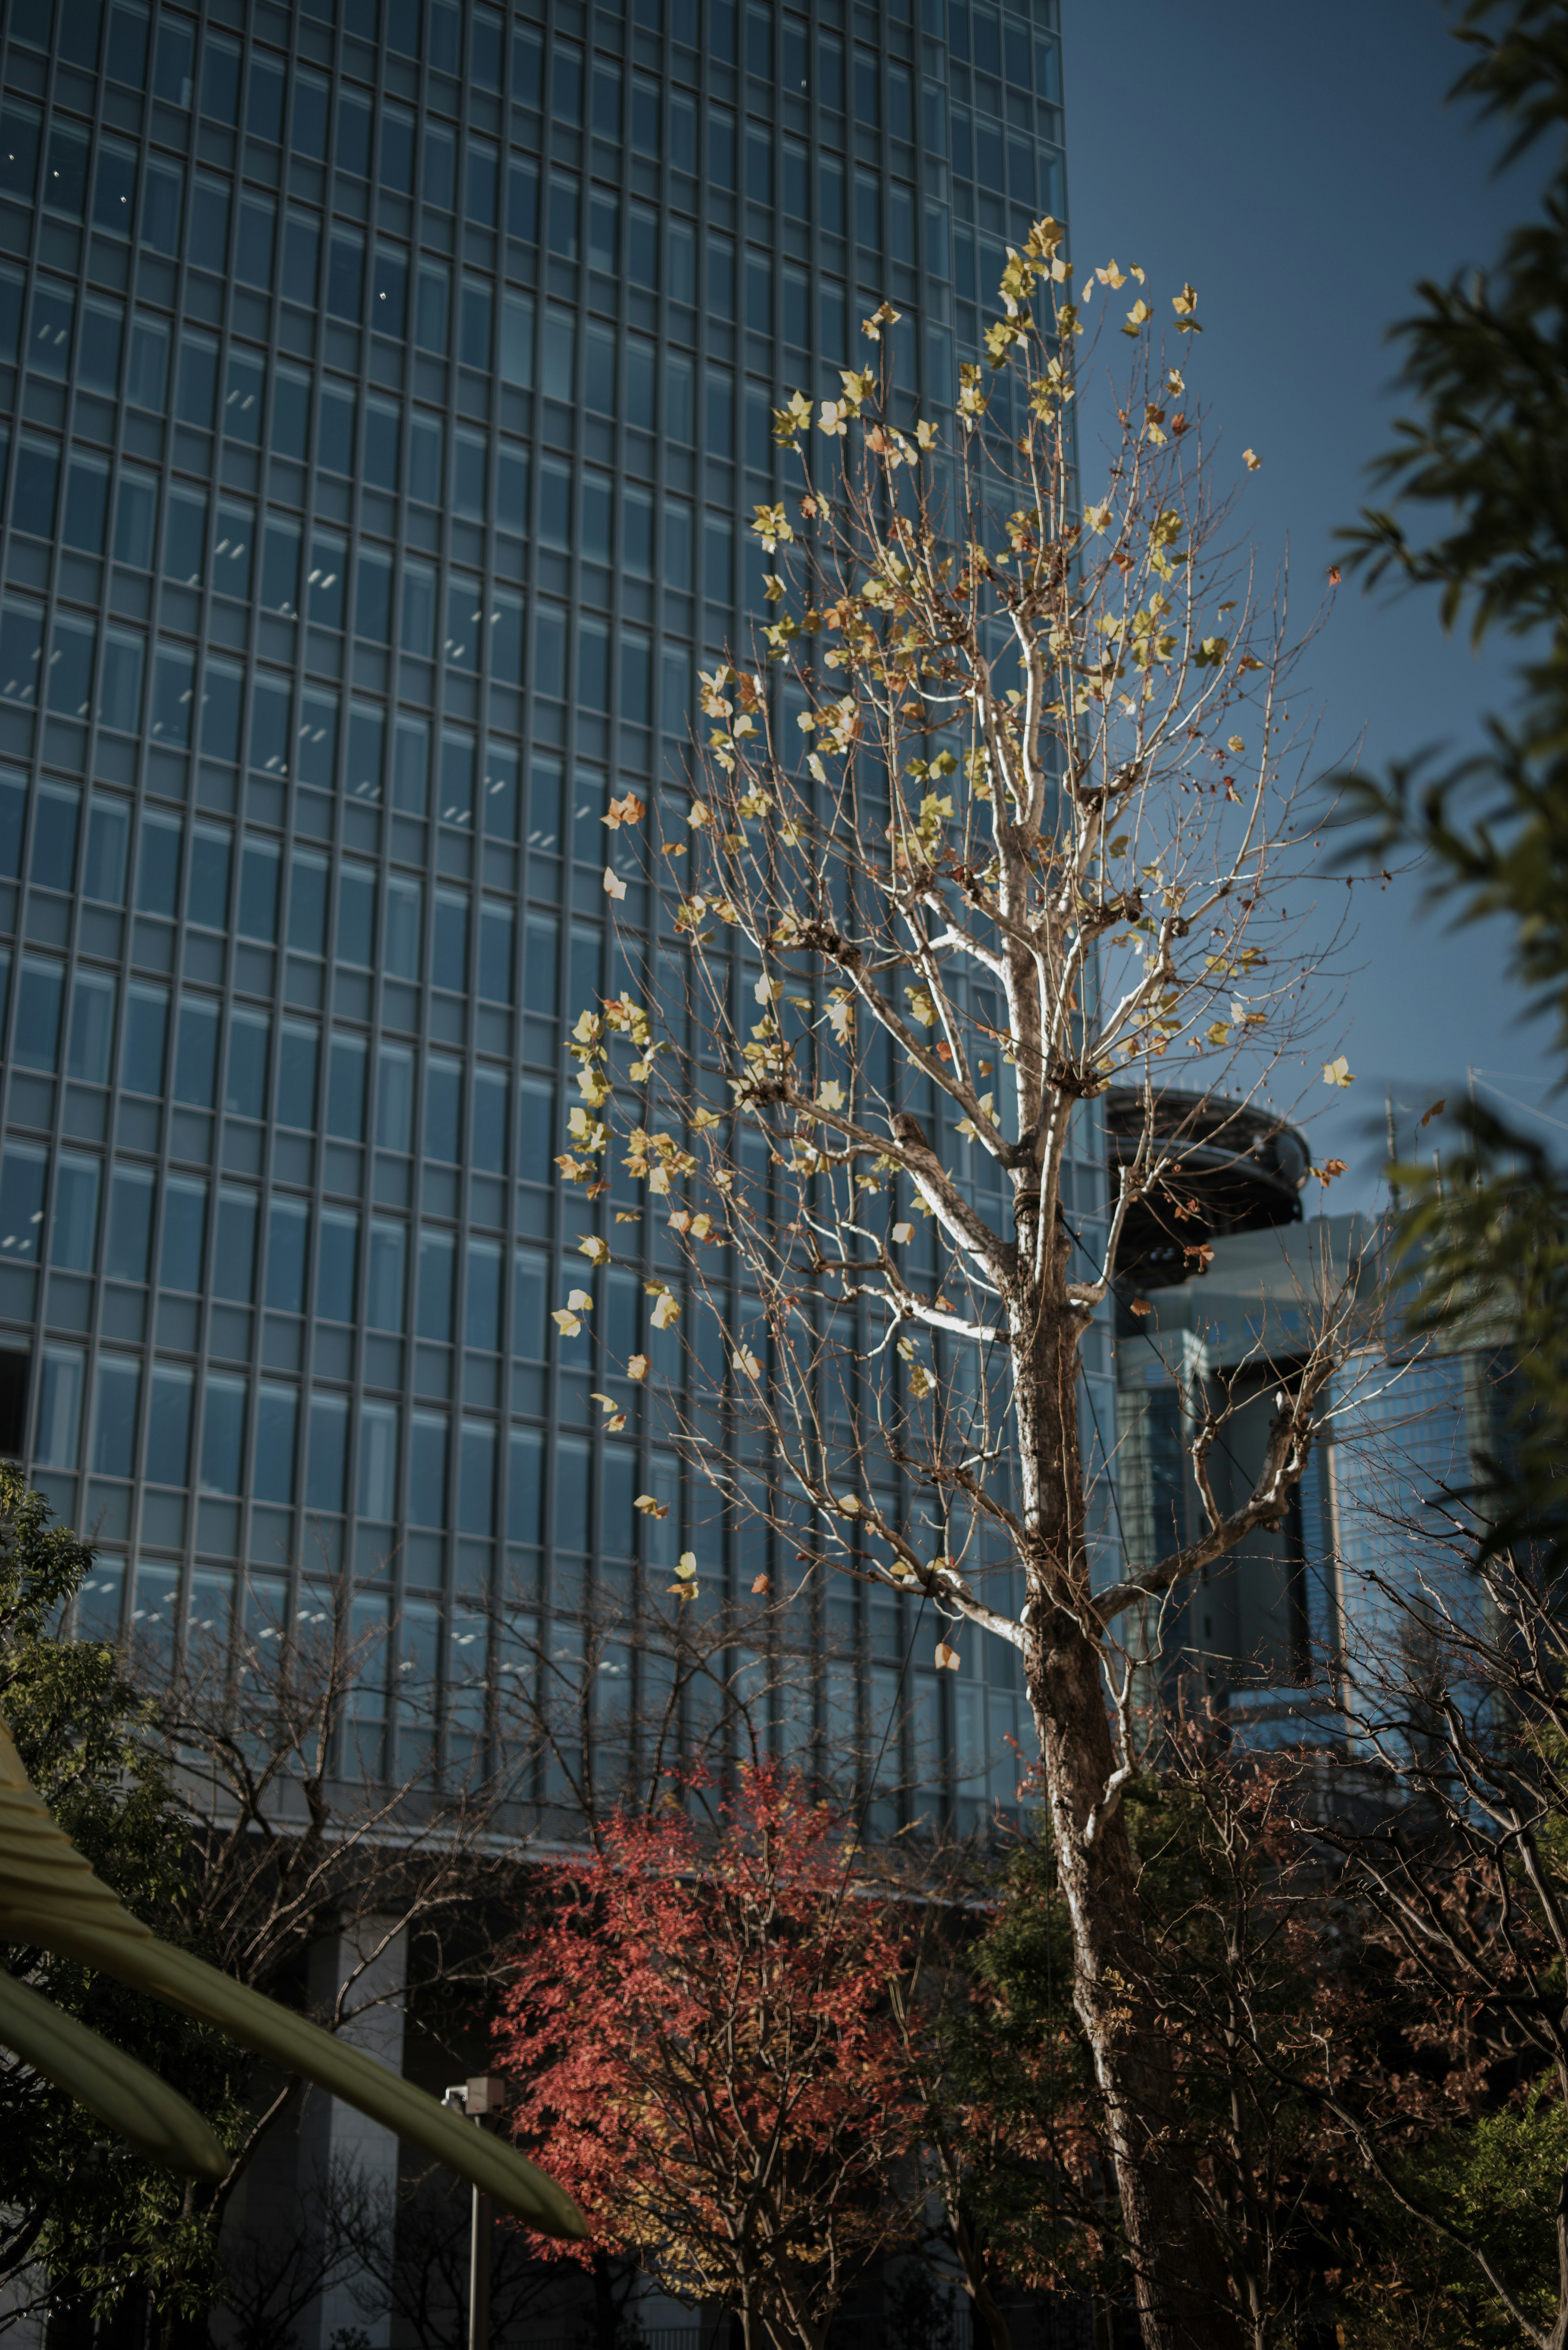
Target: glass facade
<point>383,384</point>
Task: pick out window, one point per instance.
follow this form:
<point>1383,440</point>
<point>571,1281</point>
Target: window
<point>234,1255</point>
<point>162,205</point>
<point>336,1264</point>
<point>443,1113</point>
<point>277,1421</point>
<point>377,1461</point>
<point>65,173</point>
<point>335,433</point>
<point>345,273</point>
<point>404,928</point>
<point>287,1254</point>
<point>481,177</point>
<point>128,1244</point>
<point>255,243</point>
<point>40,1000</point>
<point>470,466</point>
<point>308,134</point>
<point>487,1148</point>
<point>23,1171</point>
<point>481,1307</point>
<point>90,1043</point>
<point>433,1308</point>
<point>168,1453</point>
<point>263,111</point>
<point>183,1252</point>
<point>496,950</point>
<point>475,323</point>
<point>211,856</point>
<point>209,243</point>
<point>49,336</point>
<point>223,1435</point>
<point>432,305</point>
<point>389,292</point>
<point>235,536</point>
<point>142,1045</point>
<point>250,1049</point>
<point>386,1276</point>
<point>476,1508</point>
<point>395,1099</point>
<point>426,1468</point>
<point>19,126</point>
<point>259,871</point>
<point>328,558</point>
<point>73,1231</point>
<point>328,1452</point>
<point>345,1078</point>
<point>440,168</point>
<point>116,1409</point>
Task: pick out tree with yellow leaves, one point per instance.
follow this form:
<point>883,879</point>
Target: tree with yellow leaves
<point>997,817</point>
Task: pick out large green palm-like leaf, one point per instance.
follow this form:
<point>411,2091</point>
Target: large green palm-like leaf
<point>49,1897</point>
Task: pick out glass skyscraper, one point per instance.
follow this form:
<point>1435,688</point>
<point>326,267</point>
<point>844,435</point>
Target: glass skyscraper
<point>383,386</point>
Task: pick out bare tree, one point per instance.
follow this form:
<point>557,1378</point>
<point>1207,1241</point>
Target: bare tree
<point>330,1798</point>
<point>1012,819</point>
<point>606,1711</point>
<point>1458,1733</point>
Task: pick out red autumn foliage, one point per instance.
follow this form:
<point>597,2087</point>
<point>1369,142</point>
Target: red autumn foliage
<point>705,2055</point>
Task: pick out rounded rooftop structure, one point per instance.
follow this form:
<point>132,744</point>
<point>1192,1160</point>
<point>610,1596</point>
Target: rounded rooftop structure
<point>1219,1167</point>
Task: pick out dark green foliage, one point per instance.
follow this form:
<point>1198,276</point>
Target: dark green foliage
<point>1476,484</point>
<point>99,2218</point>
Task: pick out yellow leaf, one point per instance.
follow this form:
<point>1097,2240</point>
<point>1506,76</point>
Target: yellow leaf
<point>579,1301</point>
<point>594,1249</point>
<point>1251,460</point>
<point>637,1368</point>
<point>566,1323</point>
<point>614,886</point>
<point>946,1658</point>
<point>649,1507</point>
<point>1338,1072</point>
<point>666,1312</point>
<point>686,1565</point>
<point>903,1233</point>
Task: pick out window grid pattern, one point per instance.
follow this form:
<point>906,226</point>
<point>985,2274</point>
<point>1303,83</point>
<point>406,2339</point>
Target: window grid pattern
<point>380,392</point>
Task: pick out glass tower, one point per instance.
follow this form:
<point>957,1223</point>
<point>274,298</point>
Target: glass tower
<point>383,386</point>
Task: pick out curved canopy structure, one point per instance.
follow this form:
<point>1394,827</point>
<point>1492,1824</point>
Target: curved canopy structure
<point>1222,1167</point>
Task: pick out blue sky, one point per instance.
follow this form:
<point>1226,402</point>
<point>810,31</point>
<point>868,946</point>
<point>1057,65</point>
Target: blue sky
<point>1300,166</point>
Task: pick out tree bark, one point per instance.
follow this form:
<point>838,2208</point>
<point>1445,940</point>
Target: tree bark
<point>1179,2277</point>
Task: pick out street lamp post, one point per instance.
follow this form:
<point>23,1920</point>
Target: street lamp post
<point>484,2094</point>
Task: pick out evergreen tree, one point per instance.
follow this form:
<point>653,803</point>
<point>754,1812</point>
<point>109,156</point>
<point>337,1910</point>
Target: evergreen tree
<point>85,2220</point>
<point>1477,485</point>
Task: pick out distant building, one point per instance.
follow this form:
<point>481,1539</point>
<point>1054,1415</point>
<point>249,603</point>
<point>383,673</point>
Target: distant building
<point>1297,1623</point>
